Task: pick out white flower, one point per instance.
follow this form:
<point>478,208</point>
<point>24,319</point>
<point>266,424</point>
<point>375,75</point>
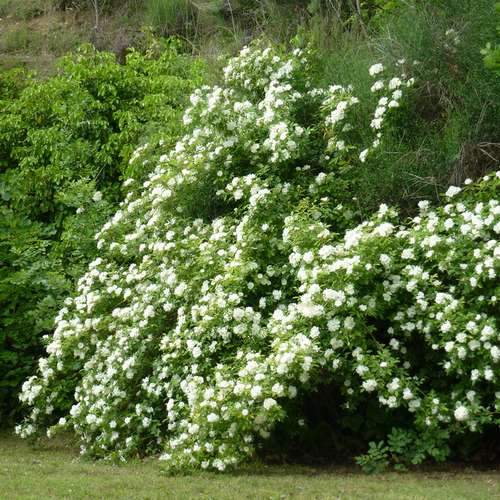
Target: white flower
<point>320,178</point>
<point>385,260</point>
<point>269,403</point>
<point>97,196</point>
<point>369,385</point>
<point>349,323</point>
<point>394,385</point>
<point>333,325</point>
<point>486,332</point>
<point>315,332</point>
<point>277,389</point>
<point>407,253</point>
<point>256,391</point>
<point>376,69</point>
<point>363,155</point>
<point>310,310</point>
<point>384,229</point>
<point>452,191</point>
<point>394,83</point>
<point>308,257</point>
<point>91,419</point>
<point>407,394</point>
<point>397,94</point>
<point>149,312</point>
<point>470,395</point>
<point>378,85</point>
<point>361,369</point>
<point>326,251</point>
<point>180,289</point>
<point>461,413</point>
<point>394,344</point>
<point>495,353</point>
<point>445,327</point>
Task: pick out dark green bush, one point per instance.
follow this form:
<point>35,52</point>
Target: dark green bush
<point>61,140</point>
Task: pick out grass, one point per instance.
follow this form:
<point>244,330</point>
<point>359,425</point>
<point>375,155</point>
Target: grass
<point>169,16</point>
<point>36,41</point>
<point>53,470</point>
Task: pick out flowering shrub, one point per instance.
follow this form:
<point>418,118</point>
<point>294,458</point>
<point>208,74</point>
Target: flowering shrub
<point>61,140</point>
<point>223,291</point>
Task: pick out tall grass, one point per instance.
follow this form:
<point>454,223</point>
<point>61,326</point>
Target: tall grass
<point>450,131</point>
<point>22,9</point>
<point>171,16</point>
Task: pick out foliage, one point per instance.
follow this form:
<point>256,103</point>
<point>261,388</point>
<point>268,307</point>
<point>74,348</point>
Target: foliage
<point>12,83</point>
<point>443,130</point>
<point>22,10</point>
<point>375,459</point>
<point>239,278</point>
<point>405,447</point>
<point>64,144</point>
<point>434,143</point>
<point>491,52</point>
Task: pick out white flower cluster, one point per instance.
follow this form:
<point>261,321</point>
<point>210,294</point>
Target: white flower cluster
<point>343,124</point>
<point>220,294</point>
<point>391,93</point>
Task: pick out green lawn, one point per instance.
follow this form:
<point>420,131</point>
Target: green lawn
<point>53,470</point>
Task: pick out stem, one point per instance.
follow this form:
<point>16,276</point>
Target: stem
<point>95,4</point>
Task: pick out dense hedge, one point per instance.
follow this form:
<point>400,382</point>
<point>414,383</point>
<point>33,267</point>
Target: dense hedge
<point>65,143</point>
